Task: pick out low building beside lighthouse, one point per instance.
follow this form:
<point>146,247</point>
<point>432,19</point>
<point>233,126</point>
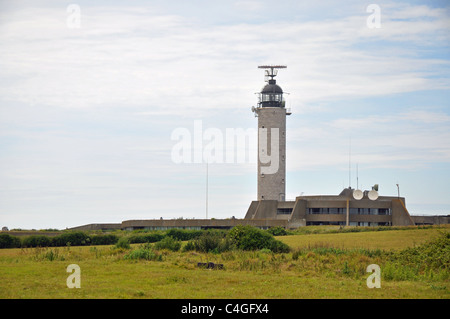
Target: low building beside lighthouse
<point>350,207</point>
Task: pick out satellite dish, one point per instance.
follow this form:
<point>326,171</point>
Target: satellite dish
<point>373,194</point>
<point>253,109</point>
<point>375,187</point>
<point>357,194</point>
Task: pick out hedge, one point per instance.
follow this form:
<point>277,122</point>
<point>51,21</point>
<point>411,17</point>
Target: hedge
<point>71,239</point>
<point>36,241</point>
<point>8,241</point>
<point>146,238</point>
<point>104,239</point>
<point>184,234</point>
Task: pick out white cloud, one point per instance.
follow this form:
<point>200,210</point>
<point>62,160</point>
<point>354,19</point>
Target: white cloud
<point>87,113</point>
<point>402,140</point>
<point>132,56</point>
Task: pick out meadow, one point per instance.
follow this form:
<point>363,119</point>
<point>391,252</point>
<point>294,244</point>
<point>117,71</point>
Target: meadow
<point>322,262</point>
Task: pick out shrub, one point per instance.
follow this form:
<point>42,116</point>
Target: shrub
<point>277,231</point>
<point>278,246</point>
<point>104,239</point>
<point>210,241</point>
<point>252,238</point>
<point>207,242</point>
<point>434,254</point>
<point>8,241</point>
<point>123,242</point>
<point>143,253</point>
<point>169,243</point>
<point>296,254</point>
<point>49,254</point>
<point>71,239</point>
<point>36,241</point>
<point>146,238</point>
<point>184,234</point>
<point>190,246</point>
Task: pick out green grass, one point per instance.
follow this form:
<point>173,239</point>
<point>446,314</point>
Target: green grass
<point>388,239</point>
<point>321,265</point>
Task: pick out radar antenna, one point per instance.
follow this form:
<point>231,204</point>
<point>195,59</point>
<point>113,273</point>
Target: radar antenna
<point>271,71</point>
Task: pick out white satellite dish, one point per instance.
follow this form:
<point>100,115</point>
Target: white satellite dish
<point>373,194</point>
<point>357,194</point>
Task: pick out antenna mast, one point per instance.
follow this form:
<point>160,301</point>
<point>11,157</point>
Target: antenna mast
<point>357,179</point>
<point>349,164</point>
<point>206,189</point>
<point>273,70</point>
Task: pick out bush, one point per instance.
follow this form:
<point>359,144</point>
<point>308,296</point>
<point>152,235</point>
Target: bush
<point>146,238</point>
<point>278,246</point>
<point>104,239</point>
<point>8,241</point>
<point>71,239</point>
<point>277,231</point>
<point>190,246</point>
<point>169,243</point>
<point>143,252</point>
<point>123,242</point>
<point>184,234</point>
<point>208,241</point>
<point>434,254</point>
<point>49,254</point>
<point>36,241</point>
<point>252,238</point>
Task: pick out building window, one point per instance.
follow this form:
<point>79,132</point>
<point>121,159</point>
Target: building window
<point>284,211</point>
<point>327,210</point>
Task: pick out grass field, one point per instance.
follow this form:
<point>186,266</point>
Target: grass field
<point>322,265</point>
<point>387,240</point>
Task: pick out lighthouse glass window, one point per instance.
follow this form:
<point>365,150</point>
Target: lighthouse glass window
<point>271,97</point>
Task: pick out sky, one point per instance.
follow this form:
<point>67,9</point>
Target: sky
<point>93,94</point>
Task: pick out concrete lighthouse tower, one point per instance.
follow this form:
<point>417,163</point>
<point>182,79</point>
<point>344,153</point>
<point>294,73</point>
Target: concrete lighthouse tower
<point>271,113</point>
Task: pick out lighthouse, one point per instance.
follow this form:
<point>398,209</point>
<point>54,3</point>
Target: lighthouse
<point>271,114</point>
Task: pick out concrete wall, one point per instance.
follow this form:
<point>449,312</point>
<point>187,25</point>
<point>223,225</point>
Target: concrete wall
<point>199,223</point>
<point>252,210</point>
<point>400,215</point>
<point>97,227</point>
<point>272,186</point>
<point>298,216</point>
<point>267,209</point>
<point>431,220</point>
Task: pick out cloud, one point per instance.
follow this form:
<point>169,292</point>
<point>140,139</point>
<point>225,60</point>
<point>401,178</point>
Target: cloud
<point>86,114</point>
<point>403,140</point>
<point>133,56</point>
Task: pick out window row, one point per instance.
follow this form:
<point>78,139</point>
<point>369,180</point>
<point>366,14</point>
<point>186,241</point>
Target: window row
<point>271,97</point>
<point>353,211</point>
<point>350,224</point>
